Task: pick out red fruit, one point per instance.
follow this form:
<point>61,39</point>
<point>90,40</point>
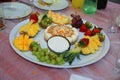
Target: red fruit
<point>88,33</point>
<point>34,17</point>
<point>96,30</point>
<point>83,42</point>
<point>83,28</point>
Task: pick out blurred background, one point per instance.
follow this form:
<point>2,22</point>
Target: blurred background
<point>116,1</point>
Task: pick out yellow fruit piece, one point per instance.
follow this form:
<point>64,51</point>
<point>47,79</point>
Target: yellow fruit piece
<point>95,38</point>
<point>30,28</point>
<point>93,45</point>
<point>58,18</point>
<point>22,42</point>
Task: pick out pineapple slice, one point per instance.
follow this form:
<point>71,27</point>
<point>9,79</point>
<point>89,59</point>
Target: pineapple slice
<point>30,28</point>
<point>93,46</point>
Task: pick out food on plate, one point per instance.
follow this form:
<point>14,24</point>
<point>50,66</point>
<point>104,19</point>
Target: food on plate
<point>34,17</point>
<point>45,22</point>
<point>22,42</point>
<point>60,35</point>
<point>96,30</point>
<point>45,3</point>
<point>89,44</point>
<point>44,55</point>
<point>63,30</point>
<point>84,42</point>
<point>70,55</point>
<point>101,37</point>
<point>48,1</point>
<point>58,18</point>
<point>30,28</point>
<point>76,21</point>
<point>58,44</point>
<point>88,25</point>
<point>83,28</point>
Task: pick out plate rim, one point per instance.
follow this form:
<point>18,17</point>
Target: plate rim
<point>36,4</point>
<point>13,3</point>
<point>50,65</point>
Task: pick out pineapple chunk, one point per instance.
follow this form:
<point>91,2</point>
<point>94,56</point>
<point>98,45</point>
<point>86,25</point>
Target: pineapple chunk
<point>30,28</point>
<point>93,45</point>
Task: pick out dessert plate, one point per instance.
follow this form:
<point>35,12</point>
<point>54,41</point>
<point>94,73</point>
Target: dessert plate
<point>57,5</point>
<point>14,10</point>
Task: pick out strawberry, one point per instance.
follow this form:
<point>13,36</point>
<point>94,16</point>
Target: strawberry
<point>34,17</point>
<point>96,30</point>
<point>83,42</point>
<point>88,33</point>
<point>83,28</point>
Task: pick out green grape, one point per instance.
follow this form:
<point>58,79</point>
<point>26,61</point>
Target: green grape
<point>51,54</point>
<point>35,48</point>
<point>42,53</point>
<point>46,58</point>
<point>33,52</point>
<point>38,55</point>
<point>42,59</point>
<point>60,60</point>
<point>53,61</point>
<point>48,61</point>
<point>39,50</point>
<point>45,50</point>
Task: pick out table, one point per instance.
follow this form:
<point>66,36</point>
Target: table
<point>14,67</point>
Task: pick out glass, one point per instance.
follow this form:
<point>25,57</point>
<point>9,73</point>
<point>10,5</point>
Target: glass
<point>90,6</point>
<point>2,20</point>
<point>77,3</point>
<point>113,22</point>
<point>117,63</point>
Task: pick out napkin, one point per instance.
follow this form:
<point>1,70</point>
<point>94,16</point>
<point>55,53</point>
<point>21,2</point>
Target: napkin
<point>78,77</point>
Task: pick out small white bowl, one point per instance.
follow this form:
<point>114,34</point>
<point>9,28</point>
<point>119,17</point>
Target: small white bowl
<point>58,44</point>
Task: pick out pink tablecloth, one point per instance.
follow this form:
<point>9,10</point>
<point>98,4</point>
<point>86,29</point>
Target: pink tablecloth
<point>14,67</point>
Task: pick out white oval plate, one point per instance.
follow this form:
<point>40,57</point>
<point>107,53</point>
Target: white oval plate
<point>84,60</point>
<point>14,10</point>
<point>61,4</point>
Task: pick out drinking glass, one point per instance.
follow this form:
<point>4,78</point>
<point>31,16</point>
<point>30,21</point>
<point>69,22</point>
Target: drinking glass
<point>90,6</point>
<point>117,63</point>
<point>77,3</point>
<point>2,20</point>
<point>113,20</point>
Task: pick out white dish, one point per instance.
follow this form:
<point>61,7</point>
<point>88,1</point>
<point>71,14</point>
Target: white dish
<point>14,10</point>
<point>85,60</point>
<point>60,4</point>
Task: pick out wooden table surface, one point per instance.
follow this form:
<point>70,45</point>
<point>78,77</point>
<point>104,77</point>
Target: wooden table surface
<point>14,67</point>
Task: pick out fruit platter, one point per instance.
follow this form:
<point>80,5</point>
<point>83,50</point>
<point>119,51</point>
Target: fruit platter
<point>56,40</point>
